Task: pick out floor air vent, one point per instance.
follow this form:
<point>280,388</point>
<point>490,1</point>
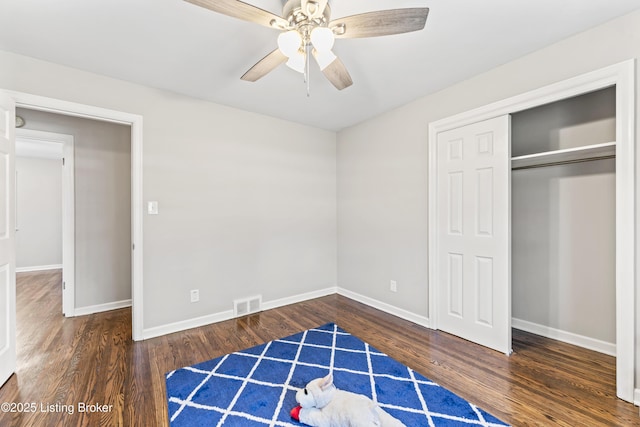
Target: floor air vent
<point>242,307</point>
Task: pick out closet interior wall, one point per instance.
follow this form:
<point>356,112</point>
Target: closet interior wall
<point>563,219</point>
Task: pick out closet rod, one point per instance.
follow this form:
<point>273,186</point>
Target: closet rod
<point>564,162</point>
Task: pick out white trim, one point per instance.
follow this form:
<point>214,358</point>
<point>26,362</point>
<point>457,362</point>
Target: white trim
<point>625,230</point>
<point>68,108</point>
<point>636,397</point>
<point>183,325</point>
<point>38,268</point>
<point>69,229</point>
<point>197,322</point>
<point>621,75</point>
<point>269,305</point>
<point>68,208</point>
<point>99,308</point>
<point>41,136</point>
<point>38,149</point>
<point>387,308</point>
<point>281,302</point>
<point>564,336</point>
<point>58,106</point>
<point>137,261</point>
<point>585,83</point>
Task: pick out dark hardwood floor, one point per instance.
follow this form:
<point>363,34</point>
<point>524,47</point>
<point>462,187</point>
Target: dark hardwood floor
<point>91,359</point>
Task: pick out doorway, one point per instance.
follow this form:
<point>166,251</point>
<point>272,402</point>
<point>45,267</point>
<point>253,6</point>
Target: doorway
<point>101,231</point>
<point>620,76</point>
<point>563,220</point>
<point>46,159</point>
<point>135,123</point>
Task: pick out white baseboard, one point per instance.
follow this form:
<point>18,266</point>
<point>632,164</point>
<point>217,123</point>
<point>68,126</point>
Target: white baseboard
<point>387,308</point>
<point>636,397</point>
<point>38,268</point>
<point>197,322</point>
<point>83,311</point>
<point>227,315</point>
<point>564,336</point>
<point>298,298</point>
<point>183,325</point>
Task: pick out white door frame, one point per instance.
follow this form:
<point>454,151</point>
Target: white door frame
<point>621,75</point>
<point>68,211</point>
<point>35,102</point>
<point>7,240</point>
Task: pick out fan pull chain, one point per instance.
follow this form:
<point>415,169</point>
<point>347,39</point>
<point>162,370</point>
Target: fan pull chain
<point>307,77</point>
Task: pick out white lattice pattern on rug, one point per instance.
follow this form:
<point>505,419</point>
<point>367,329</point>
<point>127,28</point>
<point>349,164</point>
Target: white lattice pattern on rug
<point>257,386</point>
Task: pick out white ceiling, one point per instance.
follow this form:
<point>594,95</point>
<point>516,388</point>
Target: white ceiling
<point>174,45</point>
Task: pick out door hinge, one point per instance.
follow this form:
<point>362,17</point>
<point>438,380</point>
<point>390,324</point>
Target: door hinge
<point>133,246</point>
<point>63,161</point>
<point>64,285</point>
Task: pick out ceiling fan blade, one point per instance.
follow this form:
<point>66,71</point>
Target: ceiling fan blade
<point>381,23</point>
<point>337,74</point>
<point>264,66</point>
<point>244,11</point>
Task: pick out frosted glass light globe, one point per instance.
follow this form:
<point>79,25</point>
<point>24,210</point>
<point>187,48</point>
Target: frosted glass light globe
<point>289,43</point>
<point>322,39</point>
<point>297,62</point>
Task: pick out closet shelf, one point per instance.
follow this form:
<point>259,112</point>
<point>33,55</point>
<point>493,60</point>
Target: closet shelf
<point>568,155</point>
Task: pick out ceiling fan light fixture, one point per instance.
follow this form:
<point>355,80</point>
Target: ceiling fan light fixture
<point>307,28</point>
<point>297,62</point>
<point>322,39</point>
<point>324,58</point>
<point>289,43</point>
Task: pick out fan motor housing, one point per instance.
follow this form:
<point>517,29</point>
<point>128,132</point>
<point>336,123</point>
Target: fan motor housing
<point>294,13</point>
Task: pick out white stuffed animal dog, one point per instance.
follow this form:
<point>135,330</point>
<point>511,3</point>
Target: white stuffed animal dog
<point>323,405</point>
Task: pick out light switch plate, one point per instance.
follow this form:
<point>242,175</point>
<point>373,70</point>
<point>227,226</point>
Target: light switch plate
<point>152,208</point>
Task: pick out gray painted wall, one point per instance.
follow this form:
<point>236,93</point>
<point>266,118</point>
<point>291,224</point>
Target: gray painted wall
<point>247,202</point>
<point>102,204</point>
<point>383,165</point>
<point>39,212</point>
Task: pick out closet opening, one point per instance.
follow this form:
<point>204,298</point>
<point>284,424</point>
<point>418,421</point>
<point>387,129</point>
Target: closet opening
<point>563,220</point>
<point>604,100</point>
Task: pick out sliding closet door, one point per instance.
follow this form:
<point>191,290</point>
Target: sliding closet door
<point>473,223</point>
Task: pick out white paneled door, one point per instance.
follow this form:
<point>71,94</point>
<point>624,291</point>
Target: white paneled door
<point>474,235</point>
<point>7,232</point>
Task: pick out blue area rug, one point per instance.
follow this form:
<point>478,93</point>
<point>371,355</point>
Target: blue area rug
<point>257,386</point>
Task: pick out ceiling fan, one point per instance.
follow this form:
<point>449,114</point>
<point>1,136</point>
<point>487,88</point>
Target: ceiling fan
<point>307,30</point>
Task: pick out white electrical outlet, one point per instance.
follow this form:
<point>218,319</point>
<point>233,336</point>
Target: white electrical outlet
<point>195,295</point>
<point>393,286</point>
